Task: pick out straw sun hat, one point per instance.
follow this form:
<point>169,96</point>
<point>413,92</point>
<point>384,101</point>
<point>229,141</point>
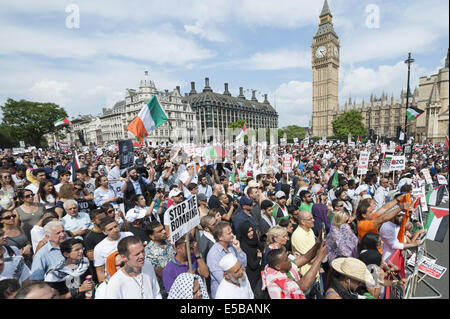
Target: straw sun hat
<point>354,269</point>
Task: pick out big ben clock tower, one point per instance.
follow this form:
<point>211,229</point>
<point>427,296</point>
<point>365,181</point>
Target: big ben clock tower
<point>325,70</point>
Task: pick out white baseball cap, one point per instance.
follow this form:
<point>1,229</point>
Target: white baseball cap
<point>174,192</point>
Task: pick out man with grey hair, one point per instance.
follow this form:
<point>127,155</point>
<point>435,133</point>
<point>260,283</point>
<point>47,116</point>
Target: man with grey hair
<point>75,223</point>
<point>234,284</point>
<point>49,254</point>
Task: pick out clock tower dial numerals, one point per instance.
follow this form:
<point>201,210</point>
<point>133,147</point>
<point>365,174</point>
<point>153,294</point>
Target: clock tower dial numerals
<point>321,52</point>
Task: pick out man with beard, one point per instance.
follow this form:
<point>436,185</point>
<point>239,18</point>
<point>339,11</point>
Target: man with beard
<point>280,210</point>
<point>135,185</point>
<point>137,279</point>
<point>307,201</point>
<point>389,232</point>
<point>234,284</point>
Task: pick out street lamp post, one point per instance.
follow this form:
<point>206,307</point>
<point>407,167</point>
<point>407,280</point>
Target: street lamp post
<point>409,62</point>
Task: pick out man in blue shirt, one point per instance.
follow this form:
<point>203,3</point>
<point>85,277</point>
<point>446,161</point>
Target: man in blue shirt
<point>226,243</point>
<point>49,254</point>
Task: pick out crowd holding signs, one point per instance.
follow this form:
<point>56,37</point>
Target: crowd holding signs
<point>301,221</point>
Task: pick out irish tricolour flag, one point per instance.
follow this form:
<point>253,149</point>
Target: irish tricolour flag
<point>412,113</point>
<point>62,121</point>
<point>150,117</point>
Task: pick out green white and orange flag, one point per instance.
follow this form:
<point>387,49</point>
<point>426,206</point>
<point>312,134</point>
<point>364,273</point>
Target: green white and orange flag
<point>62,121</point>
<point>150,117</point>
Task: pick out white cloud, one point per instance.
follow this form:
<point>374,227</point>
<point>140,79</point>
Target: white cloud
<point>205,31</point>
<point>280,59</point>
<point>293,101</point>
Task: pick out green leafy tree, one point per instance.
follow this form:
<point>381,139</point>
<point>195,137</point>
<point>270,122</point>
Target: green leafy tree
<point>29,121</point>
<point>349,122</point>
<point>238,124</point>
<point>292,131</point>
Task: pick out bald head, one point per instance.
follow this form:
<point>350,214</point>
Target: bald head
<point>305,219</point>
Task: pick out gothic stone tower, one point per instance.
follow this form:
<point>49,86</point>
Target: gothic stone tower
<point>325,67</point>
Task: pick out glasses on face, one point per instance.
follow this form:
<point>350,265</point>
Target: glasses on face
<point>78,188</point>
<point>9,217</point>
<point>6,176</point>
<point>28,196</point>
<point>110,211</point>
<point>339,205</point>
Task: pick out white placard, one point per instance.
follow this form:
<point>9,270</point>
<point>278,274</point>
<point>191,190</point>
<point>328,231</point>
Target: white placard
<point>182,218</point>
<point>427,175</point>
<point>442,180</point>
<point>398,163</point>
<point>363,164</point>
<point>287,163</point>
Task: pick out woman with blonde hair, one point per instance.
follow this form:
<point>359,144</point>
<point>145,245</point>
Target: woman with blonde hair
<point>277,238</point>
<point>341,241</point>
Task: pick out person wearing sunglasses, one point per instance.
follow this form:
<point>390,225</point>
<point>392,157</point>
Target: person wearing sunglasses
<point>8,190</point>
<point>14,234</point>
<point>29,212</point>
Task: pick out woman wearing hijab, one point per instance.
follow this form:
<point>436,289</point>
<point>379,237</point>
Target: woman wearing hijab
<point>188,286</point>
<point>252,248</point>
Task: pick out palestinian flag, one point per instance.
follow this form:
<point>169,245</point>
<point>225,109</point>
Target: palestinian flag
<point>437,223</point>
<point>233,174</point>
<point>75,165</point>
<point>63,121</point>
<point>358,141</point>
<point>447,145</point>
<point>150,117</point>
<point>434,196</point>
<point>243,132</point>
<point>413,113</point>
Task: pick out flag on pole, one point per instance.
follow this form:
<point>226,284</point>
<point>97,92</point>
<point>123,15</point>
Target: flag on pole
<point>233,174</point>
<point>413,113</point>
<point>62,121</point>
<point>435,195</point>
<point>401,233</point>
<point>75,165</point>
<point>358,141</point>
<point>150,117</point>
<point>243,132</point>
<point>437,223</point>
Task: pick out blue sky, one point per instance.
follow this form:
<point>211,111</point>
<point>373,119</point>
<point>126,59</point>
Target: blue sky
<point>257,44</point>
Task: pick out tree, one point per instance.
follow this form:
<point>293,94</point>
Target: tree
<point>238,124</point>
<point>349,122</point>
<point>29,121</point>
<point>292,131</point>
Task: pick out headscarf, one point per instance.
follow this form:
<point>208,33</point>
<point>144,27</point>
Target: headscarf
<point>242,234</point>
<point>183,287</point>
<point>63,272</point>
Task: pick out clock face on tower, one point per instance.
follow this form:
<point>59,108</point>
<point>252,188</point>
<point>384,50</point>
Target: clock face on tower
<point>336,51</point>
<point>321,52</point>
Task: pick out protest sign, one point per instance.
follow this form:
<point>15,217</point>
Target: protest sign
<point>427,175</point>
<point>442,180</point>
<point>363,164</point>
<point>384,148</point>
<point>398,163</point>
<point>182,218</point>
<point>126,154</point>
<point>386,164</point>
<point>352,144</point>
<point>287,163</point>
<point>295,140</point>
<point>428,266</point>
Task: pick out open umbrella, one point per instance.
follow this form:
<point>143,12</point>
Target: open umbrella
<point>214,151</point>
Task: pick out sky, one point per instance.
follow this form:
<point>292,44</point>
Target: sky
<point>83,55</point>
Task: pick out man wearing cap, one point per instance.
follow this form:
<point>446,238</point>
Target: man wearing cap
<point>245,214</point>
<point>234,284</point>
<point>280,210</point>
<point>168,177</point>
<point>176,195</point>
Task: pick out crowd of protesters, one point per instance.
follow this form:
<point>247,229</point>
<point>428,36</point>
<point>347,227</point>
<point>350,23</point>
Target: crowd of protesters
<point>98,231</point>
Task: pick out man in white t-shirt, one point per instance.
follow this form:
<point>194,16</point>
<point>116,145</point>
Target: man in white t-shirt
<point>234,284</point>
<point>137,279</point>
<point>108,245</point>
